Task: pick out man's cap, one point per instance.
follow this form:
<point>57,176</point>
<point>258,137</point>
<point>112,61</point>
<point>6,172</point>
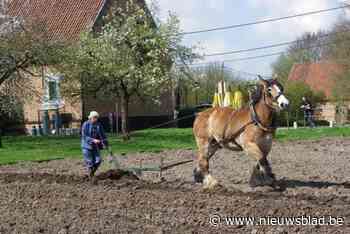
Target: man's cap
<point>93,114</point>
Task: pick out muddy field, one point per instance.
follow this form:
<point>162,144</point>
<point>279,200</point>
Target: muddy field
<point>55,197</point>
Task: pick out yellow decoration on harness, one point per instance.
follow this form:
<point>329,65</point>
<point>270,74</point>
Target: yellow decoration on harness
<point>216,100</point>
<point>237,100</point>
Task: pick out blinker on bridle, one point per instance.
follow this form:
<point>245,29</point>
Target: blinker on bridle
<point>271,83</point>
<point>280,92</point>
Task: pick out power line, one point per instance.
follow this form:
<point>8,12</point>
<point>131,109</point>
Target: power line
<point>249,50</point>
<point>262,21</point>
<point>238,73</point>
<point>246,73</point>
<point>226,68</point>
<point>259,56</point>
<point>240,59</point>
<point>269,46</point>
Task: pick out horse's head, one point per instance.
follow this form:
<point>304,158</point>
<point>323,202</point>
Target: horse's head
<point>273,95</point>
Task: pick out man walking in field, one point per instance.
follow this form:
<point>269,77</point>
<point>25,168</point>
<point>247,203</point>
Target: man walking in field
<point>93,139</point>
<point>308,112</point>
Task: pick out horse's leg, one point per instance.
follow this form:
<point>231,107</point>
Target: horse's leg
<point>233,146</point>
<point>262,172</point>
<point>201,173</point>
<point>213,147</point>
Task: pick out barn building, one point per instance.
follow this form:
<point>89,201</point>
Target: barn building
<point>321,77</point>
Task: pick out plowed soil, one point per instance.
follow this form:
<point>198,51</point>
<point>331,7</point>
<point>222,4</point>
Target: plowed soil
<point>57,197</point>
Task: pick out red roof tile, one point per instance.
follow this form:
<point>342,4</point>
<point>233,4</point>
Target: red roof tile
<point>62,19</point>
<point>319,76</point>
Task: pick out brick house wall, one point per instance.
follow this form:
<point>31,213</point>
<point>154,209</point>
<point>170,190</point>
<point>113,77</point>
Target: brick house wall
<point>326,111</point>
<point>31,106</point>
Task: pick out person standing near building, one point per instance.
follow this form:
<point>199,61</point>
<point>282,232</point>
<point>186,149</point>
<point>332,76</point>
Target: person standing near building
<point>308,112</point>
<point>93,139</point>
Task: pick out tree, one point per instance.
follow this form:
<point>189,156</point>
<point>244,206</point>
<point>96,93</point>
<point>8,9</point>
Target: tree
<point>23,44</point>
<point>341,87</point>
<point>333,46</point>
<point>340,48</point>
<point>129,57</point>
<point>282,67</point>
<point>339,53</point>
<point>308,48</point>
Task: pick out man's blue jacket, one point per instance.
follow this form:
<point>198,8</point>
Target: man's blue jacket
<point>86,136</point>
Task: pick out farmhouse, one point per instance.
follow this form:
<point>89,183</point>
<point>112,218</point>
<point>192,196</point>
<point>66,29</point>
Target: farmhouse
<point>65,20</point>
<point>320,77</point>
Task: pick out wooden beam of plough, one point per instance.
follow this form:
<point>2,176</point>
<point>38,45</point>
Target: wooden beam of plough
<point>141,168</point>
<point>160,168</point>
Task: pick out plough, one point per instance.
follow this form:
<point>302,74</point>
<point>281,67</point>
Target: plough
<point>113,160</point>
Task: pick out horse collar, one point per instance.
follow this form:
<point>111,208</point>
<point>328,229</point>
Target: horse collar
<point>256,119</point>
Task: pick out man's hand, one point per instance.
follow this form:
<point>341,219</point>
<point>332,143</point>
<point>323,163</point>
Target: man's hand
<point>96,141</point>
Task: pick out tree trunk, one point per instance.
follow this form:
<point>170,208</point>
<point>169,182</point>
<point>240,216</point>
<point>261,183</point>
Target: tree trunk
<point>125,116</point>
<point>0,138</point>
<point>175,101</point>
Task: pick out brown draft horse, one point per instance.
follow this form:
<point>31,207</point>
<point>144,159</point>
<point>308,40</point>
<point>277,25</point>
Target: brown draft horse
<point>249,129</point>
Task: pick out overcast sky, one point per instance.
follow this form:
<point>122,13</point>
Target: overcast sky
<point>202,14</point>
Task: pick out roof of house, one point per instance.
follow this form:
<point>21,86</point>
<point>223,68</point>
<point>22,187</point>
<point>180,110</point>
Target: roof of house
<point>319,76</point>
<point>63,19</point>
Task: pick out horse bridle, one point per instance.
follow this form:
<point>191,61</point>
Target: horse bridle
<point>254,115</point>
<point>274,99</point>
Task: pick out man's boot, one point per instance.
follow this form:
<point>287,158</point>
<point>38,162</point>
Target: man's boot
<point>91,172</point>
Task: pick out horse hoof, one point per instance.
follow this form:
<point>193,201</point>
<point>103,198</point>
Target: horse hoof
<point>259,178</point>
<point>198,176</point>
<point>269,180</point>
<point>255,182</point>
<point>256,179</point>
<point>209,182</point>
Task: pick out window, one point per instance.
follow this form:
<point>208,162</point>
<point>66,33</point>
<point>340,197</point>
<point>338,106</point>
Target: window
<point>52,90</point>
<point>52,97</point>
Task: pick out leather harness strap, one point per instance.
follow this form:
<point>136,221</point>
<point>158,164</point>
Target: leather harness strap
<point>255,117</point>
<point>255,120</point>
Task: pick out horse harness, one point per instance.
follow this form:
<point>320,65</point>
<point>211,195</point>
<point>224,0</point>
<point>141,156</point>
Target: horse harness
<point>254,116</point>
<point>254,120</point>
